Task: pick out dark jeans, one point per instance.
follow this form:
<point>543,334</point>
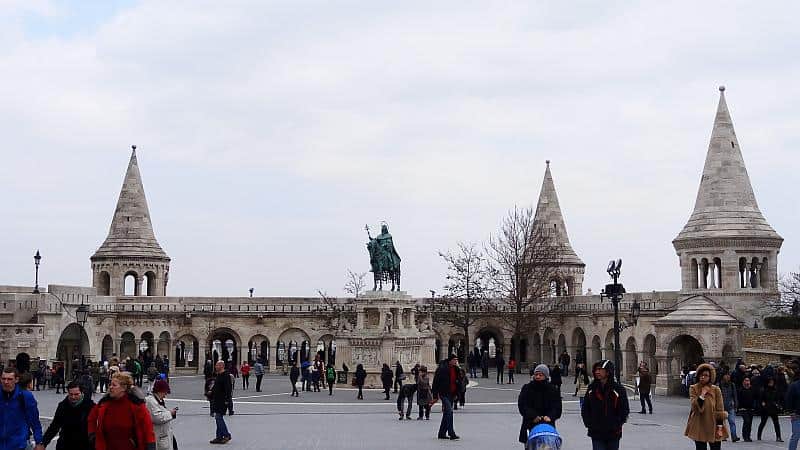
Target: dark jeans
<point>245,381</point>
<point>500,375</point>
<point>704,445</point>
<point>294,389</point>
<point>360,393</point>
<point>330,388</point>
<point>398,384</point>
<point>775,423</point>
<point>400,400</point>
<point>258,382</point>
<point>646,398</point>
<point>510,376</point>
<point>222,429</point>
<point>103,384</point>
<point>605,444</point>
<point>747,425</point>
<point>446,427</point>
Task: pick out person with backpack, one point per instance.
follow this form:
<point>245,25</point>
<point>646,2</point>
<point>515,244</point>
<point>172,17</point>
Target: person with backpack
<point>605,408</point>
<point>330,377</point>
<point>19,413</point>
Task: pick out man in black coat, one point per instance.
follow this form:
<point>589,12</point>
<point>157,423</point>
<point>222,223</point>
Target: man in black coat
<point>221,397</point>
<point>70,421</point>
<point>538,402</point>
<point>445,388</point>
<point>748,405</point>
<point>605,407</point>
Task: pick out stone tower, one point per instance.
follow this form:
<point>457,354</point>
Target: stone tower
<point>727,249</point>
<point>131,250</point>
<point>568,278</point>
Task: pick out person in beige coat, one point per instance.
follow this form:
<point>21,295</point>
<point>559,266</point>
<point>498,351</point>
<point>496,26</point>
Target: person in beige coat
<point>706,424</point>
<point>160,415</point>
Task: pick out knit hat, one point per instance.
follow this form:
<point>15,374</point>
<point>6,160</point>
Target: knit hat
<point>161,386</point>
<point>543,369</point>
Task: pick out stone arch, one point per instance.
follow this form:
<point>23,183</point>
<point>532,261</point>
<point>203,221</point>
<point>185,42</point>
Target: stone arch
<point>608,348</point>
<point>649,353</point>
<point>548,347</point>
<point>149,283</point>
<point>225,344</point>
<point>763,274</point>
<point>164,343</point>
<point>562,343</point>
<point>106,348</point>
<point>728,355</point>
<point>258,349</point>
<point>537,348</point>
<point>328,352</point>
<point>130,283</point>
<point>579,344</point>
<point>683,350</point>
<point>631,357</point>
<point>491,341</point>
<point>597,351</point>
<point>187,351</point>
<point>104,283</point>
<point>73,344</point>
<point>146,344</point>
<point>457,345</point>
<point>127,346</point>
<point>295,343</point>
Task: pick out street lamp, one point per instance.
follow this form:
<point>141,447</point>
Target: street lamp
<point>251,292</point>
<point>37,258</point>
<point>614,292</point>
<point>82,314</point>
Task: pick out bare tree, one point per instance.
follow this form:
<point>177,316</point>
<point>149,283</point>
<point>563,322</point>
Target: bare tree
<point>334,311</point>
<point>467,290</point>
<point>525,259</point>
<point>789,300</point>
<point>355,283</point>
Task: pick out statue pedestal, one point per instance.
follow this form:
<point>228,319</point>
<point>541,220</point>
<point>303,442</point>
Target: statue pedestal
<point>387,330</point>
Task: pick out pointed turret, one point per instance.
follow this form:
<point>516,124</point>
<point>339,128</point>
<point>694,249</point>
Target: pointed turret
<point>131,245</point>
<point>548,218</point>
<point>727,245</point>
<point>726,206</point>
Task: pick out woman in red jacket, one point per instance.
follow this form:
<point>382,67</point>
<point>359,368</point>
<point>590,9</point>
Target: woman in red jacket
<point>121,421</point>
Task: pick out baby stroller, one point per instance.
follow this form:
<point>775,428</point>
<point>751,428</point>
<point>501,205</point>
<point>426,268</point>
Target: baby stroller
<point>543,437</point>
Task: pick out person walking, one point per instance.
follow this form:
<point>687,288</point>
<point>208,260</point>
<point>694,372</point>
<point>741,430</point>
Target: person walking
<point>258,370</point>
<point>19,414</point>
<point>555,378</point>
<point>424,395</point>
<point>512,366</point>
<point>220,396</point>
<point>386,379</point>
<point>294,374</point>
<point>768,407</point>
<point>792,403</point>
<point>706,423</point>
<point>358,379</point>
<point>71,421</point>
<point>747,407</point>
<point>445,388</point>
<point>500,366</point>
<point>564,361</point>
<point>59,378</point>
<point>103,379</point>
<point>245,371</point>
<point>161,416</point>
<point>645,382</point>
<point>605,408</point>
<point>399,376</point>
<point>485,364</point>
<point>462,388</point>
<point>120,421</point>
<point>581,386</point>
<point>730,401</point>
<point>330,377</point>
<point>407,392</point>
<point>538,402</point>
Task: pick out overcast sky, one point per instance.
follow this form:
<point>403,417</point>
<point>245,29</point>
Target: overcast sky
<point>270,133</point>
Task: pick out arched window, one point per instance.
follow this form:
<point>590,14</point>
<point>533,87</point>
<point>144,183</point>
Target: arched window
<point>764,274</point>
<point>129,284</point>
<point>693,273</point>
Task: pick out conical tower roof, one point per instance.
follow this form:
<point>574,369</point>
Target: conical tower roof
<point>726,206</point>
<point>131,233</point>
<point>548,217</point>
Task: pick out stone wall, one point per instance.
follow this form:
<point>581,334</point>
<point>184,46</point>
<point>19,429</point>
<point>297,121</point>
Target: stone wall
<point>763,346</point>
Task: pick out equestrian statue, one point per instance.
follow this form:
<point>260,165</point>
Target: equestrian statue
<point>384,259</point>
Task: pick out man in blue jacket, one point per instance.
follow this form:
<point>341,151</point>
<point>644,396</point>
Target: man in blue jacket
<point>19,414</point>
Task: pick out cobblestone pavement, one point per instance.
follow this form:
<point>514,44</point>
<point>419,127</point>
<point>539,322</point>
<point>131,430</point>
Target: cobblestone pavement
<point>272,419</point>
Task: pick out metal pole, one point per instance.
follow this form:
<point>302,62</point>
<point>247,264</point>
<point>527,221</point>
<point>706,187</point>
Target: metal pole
<point>617,352</point>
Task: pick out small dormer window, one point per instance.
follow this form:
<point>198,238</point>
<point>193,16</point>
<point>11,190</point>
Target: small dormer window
<point>733,145</point>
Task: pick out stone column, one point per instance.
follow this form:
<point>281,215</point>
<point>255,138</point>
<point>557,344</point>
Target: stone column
<point>662,379</point>
<point>381,319</point>
<point>412,318</point>
<point>360,316</point>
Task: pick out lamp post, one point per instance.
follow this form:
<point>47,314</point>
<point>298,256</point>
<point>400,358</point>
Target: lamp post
<point>614,292</point>
<point>251,292</point>
<point>81,316</point>
<point>37,258</point>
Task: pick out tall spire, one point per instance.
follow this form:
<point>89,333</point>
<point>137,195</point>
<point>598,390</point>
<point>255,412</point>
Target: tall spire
<point>548,217</point>
<point>131,233</point>
<point>726,206</point>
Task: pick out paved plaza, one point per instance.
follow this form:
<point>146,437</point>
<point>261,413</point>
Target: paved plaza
<point>273,420</point>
